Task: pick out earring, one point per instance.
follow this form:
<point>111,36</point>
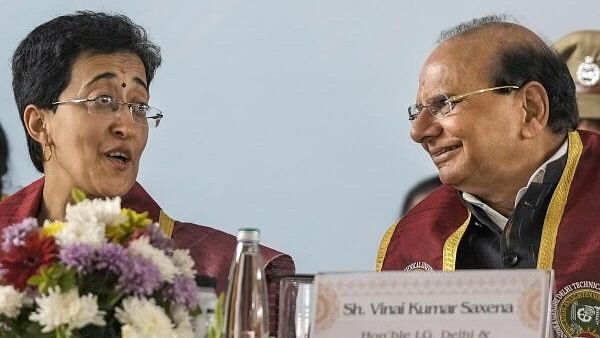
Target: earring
<point>47,158</point>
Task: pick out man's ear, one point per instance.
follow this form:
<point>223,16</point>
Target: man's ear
<point>36,122</point>
<point>536,109</point>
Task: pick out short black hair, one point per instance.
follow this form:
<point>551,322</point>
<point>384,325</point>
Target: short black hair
<point>427,185</point>
<point>519,63</point>
<point>41,64</point>
<point>3,157</point>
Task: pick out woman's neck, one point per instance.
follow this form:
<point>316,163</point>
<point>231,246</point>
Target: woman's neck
<point>54,201</point>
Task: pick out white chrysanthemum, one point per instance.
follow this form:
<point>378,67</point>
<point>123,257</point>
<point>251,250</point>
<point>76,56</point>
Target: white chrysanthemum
<point>11,301</point>
<point>106,211</point>
<point>89,232</point>
<point>184,263</point>
<point>56,309</point>
<point>86,221</point>
<point>144,319</point>
<point>142,247</point>
<point>183,322</point>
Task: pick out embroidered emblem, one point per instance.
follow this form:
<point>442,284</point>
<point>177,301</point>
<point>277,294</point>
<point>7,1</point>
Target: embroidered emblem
<point>418,266</point>
<point>576,310</point>
<point>588,72</point>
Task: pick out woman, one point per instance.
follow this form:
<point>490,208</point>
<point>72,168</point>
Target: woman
<point>81,83</point>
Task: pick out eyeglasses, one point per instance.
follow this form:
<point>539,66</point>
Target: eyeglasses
<point>442,105</point>
<point>106,106</point>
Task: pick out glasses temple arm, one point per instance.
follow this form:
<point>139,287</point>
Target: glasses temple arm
<point>461,97</point>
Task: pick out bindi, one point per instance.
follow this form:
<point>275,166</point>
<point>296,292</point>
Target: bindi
<point>123,84</point>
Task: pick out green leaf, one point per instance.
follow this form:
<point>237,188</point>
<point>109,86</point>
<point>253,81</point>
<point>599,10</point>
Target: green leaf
<point>22,326</point>
<point>119,233</point>
<point>116,297</point>
<point>212,333</point>
<point>76,334</point>
<point>54,275</point>
<point>195,312</point>
<point>61,332</point>
<point>77,195</point>
<point>215,329</point>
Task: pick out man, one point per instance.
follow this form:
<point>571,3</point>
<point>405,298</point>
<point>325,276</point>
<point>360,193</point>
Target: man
<point>496,112</point>
<point>581,52</point>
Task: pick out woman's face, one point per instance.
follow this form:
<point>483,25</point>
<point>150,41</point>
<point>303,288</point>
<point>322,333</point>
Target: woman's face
<point>99,154</point>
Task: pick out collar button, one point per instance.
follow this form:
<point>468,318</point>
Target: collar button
<point>510,259</point>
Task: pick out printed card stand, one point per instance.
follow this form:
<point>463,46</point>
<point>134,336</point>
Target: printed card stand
<point>462,304</point>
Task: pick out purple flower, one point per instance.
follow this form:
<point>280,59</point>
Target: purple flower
<point>158,239</point>
<point>112,257</point>
<point>185,292</point>
<point>139,276</point>
<point>78,256</point>
<point>14,235</point>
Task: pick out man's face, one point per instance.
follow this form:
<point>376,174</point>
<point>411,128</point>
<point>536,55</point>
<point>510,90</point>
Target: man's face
<point>477,144</point>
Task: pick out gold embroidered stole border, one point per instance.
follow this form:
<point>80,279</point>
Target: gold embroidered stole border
<point>383,246</point>
<point>558,202</point>
<point>451,246</point>
<point>551,221</point>
<point>166,224</point>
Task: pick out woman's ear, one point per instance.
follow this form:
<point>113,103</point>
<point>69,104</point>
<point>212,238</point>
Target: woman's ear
<point>36,120</point>
<point>536,108</point>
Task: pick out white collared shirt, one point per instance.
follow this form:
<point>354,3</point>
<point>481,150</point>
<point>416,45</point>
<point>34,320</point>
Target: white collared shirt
<point>537,177</point>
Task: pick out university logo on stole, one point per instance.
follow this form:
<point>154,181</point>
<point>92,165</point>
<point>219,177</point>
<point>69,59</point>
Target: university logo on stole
<point>576,310</point>
<point>418,266</point>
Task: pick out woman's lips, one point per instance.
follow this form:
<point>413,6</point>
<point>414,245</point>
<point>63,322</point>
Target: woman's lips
<point>118,162</point>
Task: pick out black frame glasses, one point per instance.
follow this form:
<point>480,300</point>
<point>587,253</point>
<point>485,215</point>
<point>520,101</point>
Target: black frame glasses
<point>443,104</point>
<point>104,105</point>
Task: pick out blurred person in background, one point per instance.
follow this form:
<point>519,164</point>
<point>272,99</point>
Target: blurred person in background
<point>418,192</point>
<point>413,197</point>
<point>581,52</point>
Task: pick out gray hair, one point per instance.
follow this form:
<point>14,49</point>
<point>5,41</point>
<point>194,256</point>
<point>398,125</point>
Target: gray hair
<point>476,24</point>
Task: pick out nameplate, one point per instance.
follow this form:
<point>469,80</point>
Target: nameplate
<point>462,304</point>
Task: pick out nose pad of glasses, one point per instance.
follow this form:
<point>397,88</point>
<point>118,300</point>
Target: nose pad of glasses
<point>117,110</point>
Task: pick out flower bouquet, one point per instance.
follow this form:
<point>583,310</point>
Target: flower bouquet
<point>103,272</point>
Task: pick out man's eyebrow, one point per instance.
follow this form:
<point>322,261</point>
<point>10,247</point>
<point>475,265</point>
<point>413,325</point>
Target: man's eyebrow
<point>110,75</point>
<point>437,98</point>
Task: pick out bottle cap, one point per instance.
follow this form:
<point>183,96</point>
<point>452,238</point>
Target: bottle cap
<point>248,234</point>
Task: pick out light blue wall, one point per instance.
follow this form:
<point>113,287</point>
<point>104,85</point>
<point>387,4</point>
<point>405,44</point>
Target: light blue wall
<point>286,115</point>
